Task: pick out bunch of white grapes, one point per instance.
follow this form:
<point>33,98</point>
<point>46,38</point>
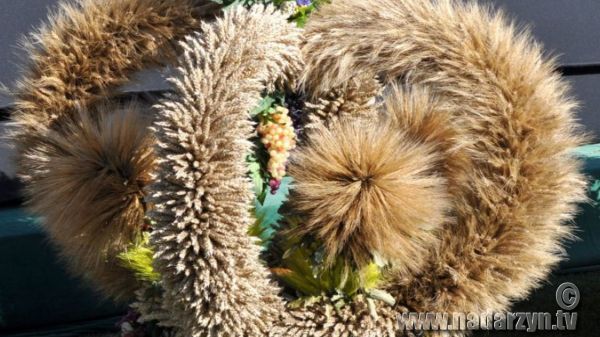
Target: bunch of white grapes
<point>278,136</point>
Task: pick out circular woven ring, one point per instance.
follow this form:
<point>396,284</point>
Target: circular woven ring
<point>445,84</point>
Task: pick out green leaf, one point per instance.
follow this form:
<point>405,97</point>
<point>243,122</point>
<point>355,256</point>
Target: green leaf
<point>352,285</point>
<point>338,275</point>
<point>302,283</point>
<point>305,301</point>
<point>256,230</point>
<point>266,211</point>
<point>298,260</point>
<point>256,176</point>
<point>138,258</point>
<point>370,276</point>
<point>264,105</point>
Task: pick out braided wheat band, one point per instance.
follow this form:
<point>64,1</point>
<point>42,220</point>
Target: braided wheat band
<point>212,273</point>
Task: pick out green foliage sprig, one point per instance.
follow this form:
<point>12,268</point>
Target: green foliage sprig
<point>302,13</point>
<point>298,261</point>
<point>257,161</point>
<point>138,258</point>
<point>301,9</point>
<point>266,204</point>
<point>267,213</point>
<point>301,267</point>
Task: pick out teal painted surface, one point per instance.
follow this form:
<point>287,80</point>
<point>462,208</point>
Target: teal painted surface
<point>588,152</point>
<point>35,290</point>
<point>14,222</point>
<point>586,250</point>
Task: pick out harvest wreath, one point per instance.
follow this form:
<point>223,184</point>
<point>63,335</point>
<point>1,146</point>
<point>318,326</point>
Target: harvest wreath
<point>425,145</point>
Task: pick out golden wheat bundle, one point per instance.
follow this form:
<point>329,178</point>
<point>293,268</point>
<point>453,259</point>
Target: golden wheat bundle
<point>506,131</point>
<point>85,160</point>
